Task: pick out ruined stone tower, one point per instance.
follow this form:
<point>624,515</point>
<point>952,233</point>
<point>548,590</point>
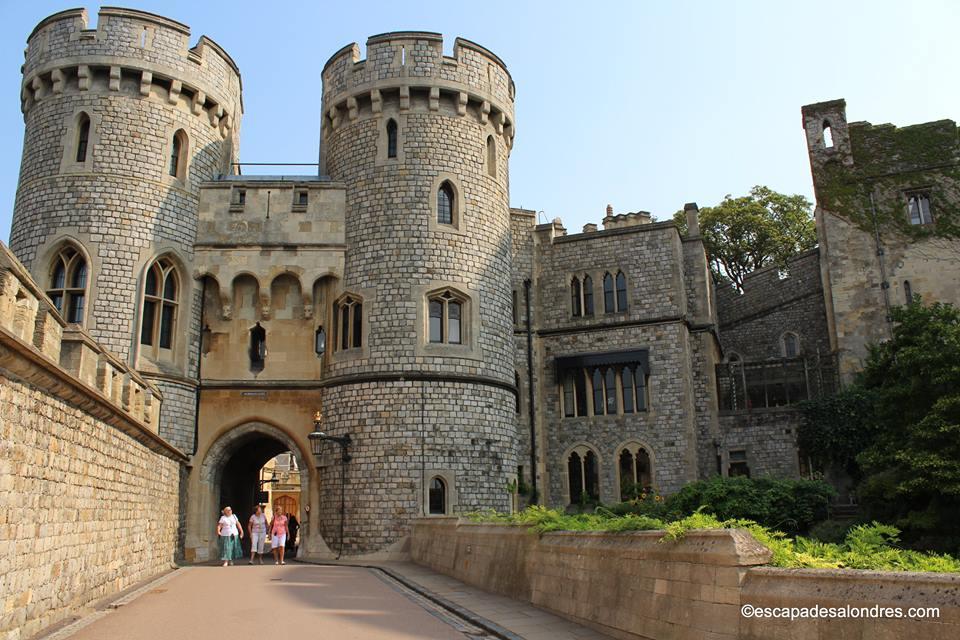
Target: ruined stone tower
<point>421,373</point>
<point>123,123</point>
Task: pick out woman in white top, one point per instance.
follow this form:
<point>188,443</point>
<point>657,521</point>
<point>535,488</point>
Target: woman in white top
<point>229,534</point>
<point>257,526</point>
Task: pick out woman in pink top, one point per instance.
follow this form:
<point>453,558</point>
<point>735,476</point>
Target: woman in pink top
<point>278,535</point>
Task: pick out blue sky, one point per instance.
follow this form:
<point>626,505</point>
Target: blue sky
<point>643,105</point>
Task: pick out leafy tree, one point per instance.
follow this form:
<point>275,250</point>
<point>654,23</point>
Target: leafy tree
<point>753,231</point>
<point>837,428</point>
<point>912,466</point>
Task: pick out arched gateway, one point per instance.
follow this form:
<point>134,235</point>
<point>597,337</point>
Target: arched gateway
<point>229,475</point>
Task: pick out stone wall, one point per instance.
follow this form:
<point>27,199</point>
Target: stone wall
<point>89,493</point>
<point>635,586</point>
<point>627,585</point>
<point>774,302</point>
<point>872,255</point>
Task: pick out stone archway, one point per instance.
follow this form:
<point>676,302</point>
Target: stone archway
<point>229,473</point>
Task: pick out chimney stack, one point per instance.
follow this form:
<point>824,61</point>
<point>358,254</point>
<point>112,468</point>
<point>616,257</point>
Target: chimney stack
<point>693,219</point>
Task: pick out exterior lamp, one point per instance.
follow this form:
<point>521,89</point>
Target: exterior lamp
<point>318,440</point>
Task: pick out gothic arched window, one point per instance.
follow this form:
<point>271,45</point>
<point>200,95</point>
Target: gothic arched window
<point>438,496</point>
<point>609,304</point>
<point>446,203</point>
<point>446,318</point>
<point>583,476</point>
<point>348,323</point>
<point>178,154</point>
<point>621,291</point>
<point>68,284</point>
<point>160,303</point>
<point>575,297</point>
<point>491,157</point>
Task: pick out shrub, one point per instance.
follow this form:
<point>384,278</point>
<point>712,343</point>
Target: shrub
<point>788,505</point>
<point>866,546</point>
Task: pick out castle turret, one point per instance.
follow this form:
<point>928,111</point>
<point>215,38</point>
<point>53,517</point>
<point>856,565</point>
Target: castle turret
<point>422,373</point>
<point>123,122</point>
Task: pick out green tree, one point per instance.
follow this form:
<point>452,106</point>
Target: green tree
<point>753,231</point>
<point>912,465</point>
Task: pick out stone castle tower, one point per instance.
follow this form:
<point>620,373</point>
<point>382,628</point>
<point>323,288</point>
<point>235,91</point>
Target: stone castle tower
<point>123,123</point>
<point>422,372</point>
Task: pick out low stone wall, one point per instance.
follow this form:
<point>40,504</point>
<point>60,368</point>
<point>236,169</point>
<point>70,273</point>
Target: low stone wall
<point>89,493</point>
<point>627,585</point>
<point>633,585</point>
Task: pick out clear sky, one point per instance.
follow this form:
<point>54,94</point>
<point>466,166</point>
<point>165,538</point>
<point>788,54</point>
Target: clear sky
<point>642,105</point>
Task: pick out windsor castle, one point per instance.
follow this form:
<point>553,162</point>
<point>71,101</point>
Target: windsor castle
<point>169,324</point>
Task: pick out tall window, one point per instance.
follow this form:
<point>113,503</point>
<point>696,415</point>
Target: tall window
<point>827,134</point>
<point>791,345</point>
<point>919,208</point>
<point>587,296</point>
<point>621,291</point>
<point>635,471</point>
<point>610,389</point>
<point>576,294</point>
<point>445,204</point>
<point>160,295</point>
<point>348,318</point>
<point>438,496</point>
<point>68,284</point>
<point>83,137</point>
<point>391,138</point>
<point>609,304</point>
<point>258,347</point>
<point>178,150</point>
<point>446,318</point>
<point>491,157</point>
<point>907,291</point>
<point>583,476</point>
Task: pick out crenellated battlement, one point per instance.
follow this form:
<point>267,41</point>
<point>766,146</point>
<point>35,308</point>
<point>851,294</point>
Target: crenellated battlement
<point>133,50</point>
<point>409,67</point>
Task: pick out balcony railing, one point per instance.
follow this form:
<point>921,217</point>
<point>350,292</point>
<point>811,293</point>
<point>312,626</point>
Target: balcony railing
<point>768,384</point>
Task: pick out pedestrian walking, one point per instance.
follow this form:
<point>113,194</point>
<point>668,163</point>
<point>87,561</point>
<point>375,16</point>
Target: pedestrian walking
<point>293,526</point>
<point>229,534</point>
<point>278,535</point>
<point>257,526</point>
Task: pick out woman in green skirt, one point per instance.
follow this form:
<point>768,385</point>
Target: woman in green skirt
<point>229,534</point>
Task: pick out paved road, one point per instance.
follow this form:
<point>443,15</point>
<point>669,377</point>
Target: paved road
<point>294,602</point>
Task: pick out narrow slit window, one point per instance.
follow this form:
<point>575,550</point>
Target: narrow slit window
<point>609,304</point>
<point>391,138</point>
<point>907,291</point>
<point>178,152</point>
<point>258,347</point>
<point>83,137</point>
<point>491,157</point>
<point>827,135</point>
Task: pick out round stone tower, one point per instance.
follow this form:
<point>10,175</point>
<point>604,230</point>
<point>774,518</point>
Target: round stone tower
<point>421,373</point>
<point>123,123</point>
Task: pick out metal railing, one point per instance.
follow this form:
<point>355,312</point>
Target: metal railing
<point>767,384</point>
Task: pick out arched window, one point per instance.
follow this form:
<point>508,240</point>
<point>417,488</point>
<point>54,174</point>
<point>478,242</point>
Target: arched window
<point>258,347</point>
<point>791,345</point>
<point>68,284</point>
<point>348,323</point>
<point>438,497</point>
<point>587,296</point>
<point>636,472</point>
<point>609,304</point>
<point>320,341</point>
<point>575,300</point>
<point>583,476</point>
<point>446,318</point>
<point>445,203</point>
<point>827,135</point>
<point>621,291</point>
<point>178,153</point>
<point>160,296</point>
<point>491,157</point>
<point>83,136</point>
<point>391,138</point>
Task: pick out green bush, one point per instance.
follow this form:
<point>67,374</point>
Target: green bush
<point>866,546</point>
<point>831,530</point>
<point>792,506</point>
